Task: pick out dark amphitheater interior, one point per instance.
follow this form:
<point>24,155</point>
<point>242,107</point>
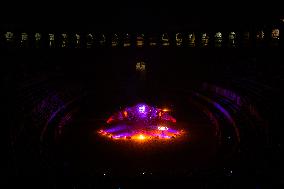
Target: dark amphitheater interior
<point>224,84</point>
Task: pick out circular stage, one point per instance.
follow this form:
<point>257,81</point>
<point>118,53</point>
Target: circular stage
<point>141,123</point>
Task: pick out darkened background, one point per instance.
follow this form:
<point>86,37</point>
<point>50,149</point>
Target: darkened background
<point>105,78</point>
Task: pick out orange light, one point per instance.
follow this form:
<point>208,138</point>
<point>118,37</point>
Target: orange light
<point>125,113</point>
<point>141,137</point>
<point>160,114</point>
<point>101,131</point>
<point>166,110</point>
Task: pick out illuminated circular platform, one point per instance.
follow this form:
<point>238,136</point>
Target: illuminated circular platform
<point>141,123</point>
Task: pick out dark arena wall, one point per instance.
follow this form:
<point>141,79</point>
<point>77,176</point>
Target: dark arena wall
<point>227,97</point>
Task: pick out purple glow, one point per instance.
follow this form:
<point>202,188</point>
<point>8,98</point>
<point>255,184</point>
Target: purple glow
<point>116,129</point>
<point>140,112</point>
<point>141,122</point>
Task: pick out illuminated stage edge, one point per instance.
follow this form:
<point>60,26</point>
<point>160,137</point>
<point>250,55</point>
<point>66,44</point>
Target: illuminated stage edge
<point>141,123</point>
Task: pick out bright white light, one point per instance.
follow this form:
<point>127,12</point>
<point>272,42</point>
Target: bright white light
<point>162,128</point>
<point>142,109</point>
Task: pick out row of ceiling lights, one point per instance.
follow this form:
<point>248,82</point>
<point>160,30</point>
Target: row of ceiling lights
<point>140,38</point>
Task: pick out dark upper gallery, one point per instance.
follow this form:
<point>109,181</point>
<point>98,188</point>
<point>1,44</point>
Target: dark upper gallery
<point>164,102</point>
